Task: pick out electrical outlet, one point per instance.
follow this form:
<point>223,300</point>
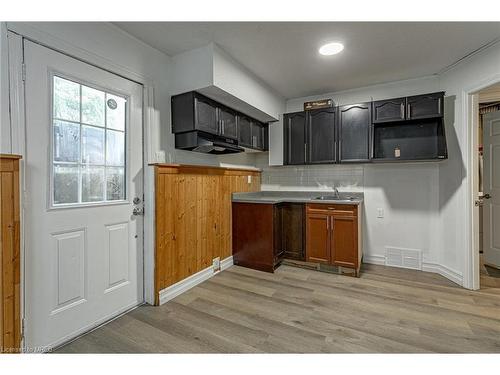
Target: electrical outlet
<point>380,213</point>
<point>160,156</point>
<point>249,179</point>
<point>216,264</point>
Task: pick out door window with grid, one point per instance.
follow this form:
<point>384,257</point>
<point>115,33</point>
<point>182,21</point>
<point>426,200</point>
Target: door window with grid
<point>88,152</point>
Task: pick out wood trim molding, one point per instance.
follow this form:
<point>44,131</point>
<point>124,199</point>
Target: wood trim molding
<point>202,169</point>
<point>10,156</point>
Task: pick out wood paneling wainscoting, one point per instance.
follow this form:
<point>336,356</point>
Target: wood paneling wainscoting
<point>10,270</point>
<point>193,218</point>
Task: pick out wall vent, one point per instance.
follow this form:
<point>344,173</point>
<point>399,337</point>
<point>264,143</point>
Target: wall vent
<point>405,258</point>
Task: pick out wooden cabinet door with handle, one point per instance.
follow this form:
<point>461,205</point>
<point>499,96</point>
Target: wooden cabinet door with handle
<point>318,238</point>
<point>344,240</point>
<point>227,123</point>
<point>389,110</point>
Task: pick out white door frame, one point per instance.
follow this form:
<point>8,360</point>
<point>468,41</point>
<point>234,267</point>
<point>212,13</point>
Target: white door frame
<point>16,33</point>
<point>470,117</point>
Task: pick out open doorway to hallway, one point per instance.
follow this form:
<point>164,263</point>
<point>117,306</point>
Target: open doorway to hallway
<point>488,186</point>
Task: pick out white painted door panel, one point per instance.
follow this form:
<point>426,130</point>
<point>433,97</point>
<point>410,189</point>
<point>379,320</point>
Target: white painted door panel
<point>491,209</point>
<point>84,260</point>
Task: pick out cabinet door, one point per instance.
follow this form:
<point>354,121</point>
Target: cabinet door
<point>266,137</point>
<point>389,110</point>
<point>354,132</point>
<point>318,238</point>
<point>245,131</point>
<point>424,106</point>
<point>294,134</point>
<point>292,231</point>
<point>206,116</point>
<point>321,136</point>
<point>227,120</point>
<point>257,135</point>
<point>344,241</point>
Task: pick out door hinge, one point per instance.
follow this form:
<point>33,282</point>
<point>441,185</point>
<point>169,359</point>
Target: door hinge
<point>23,72</point>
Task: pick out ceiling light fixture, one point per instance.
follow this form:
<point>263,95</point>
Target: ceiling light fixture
<point>331,49</point>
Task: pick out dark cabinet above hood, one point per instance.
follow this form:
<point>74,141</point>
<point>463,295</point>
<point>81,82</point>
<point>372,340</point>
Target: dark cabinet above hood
<point>206,143</point>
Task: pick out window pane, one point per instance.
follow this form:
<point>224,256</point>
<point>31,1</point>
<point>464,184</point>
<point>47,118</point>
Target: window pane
<point>92,145</point>
<point>66,99</point>
<point>65,184</point>
<point>115,112</point>
<point>66,141</point>
<point>115,184</point>
<point>92,106</point>
<point>115,148</point>
<point>92,184</point>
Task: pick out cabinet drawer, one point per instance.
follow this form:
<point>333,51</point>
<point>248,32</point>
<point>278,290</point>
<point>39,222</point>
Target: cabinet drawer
<point>333,209</point>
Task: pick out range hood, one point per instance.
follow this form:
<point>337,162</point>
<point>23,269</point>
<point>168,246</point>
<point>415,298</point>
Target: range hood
<point>206,143</point>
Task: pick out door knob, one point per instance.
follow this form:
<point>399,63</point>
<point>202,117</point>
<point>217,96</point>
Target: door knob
<point>136,200</point>
<point>486,196</point>
<point>138,211</point>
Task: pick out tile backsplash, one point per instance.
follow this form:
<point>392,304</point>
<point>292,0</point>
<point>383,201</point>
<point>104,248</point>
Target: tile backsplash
<point>313,177</point>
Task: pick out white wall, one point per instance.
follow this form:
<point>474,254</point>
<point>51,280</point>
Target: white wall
<point>213,72</point>
<point>5,137</point>
<point>474,73</point>
<point>235,79</point>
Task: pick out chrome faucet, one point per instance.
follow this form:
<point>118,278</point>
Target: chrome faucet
<point>337,194</point>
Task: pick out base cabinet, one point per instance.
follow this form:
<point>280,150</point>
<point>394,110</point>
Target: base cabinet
<point>293,230</point>
<point>256,238</point>
<point>333,235</point>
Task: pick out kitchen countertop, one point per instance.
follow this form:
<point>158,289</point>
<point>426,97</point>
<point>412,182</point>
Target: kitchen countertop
<point>274,197</point>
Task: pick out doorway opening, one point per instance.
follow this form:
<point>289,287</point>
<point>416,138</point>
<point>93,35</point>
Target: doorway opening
<point>487,185</point>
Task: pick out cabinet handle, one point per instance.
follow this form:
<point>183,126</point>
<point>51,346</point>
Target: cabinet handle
<point>408,107</point>
<point>331,208</point>
<point>327,224</point>
<point>402,110</point>
<point>305,152</point>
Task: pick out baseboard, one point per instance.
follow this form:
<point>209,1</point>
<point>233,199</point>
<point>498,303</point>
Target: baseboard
<point>184,285</point>
<point>444,271</point>
<point>374,259</point>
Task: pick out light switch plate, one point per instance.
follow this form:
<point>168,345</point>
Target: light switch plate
<point>380,213</point>
<point>249,179</point>
<point>160,156</point>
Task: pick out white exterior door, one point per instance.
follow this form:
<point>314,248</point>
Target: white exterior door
<point>84,178</point>
<point>491,187</point>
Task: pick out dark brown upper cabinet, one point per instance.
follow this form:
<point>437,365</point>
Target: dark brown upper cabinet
<point>257,130</point>
<point>321,144</point>
<point>193,111</point>
<point>389,110</point>
<point>266,138</point>
<point>425,106</point>
<point>244,131</point>
<point>227,123</point>
<point>294,134</point>
<point>354,124</point>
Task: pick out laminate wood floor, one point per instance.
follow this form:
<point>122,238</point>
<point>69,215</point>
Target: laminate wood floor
<point>294,310</point>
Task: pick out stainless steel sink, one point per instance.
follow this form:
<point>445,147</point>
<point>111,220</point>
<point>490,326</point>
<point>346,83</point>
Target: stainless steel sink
<point>333,198</point>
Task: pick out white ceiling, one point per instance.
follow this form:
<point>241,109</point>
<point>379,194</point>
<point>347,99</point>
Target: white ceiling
<point>284,55</point>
